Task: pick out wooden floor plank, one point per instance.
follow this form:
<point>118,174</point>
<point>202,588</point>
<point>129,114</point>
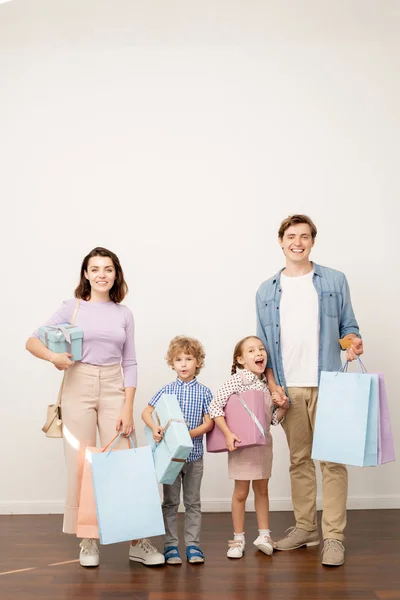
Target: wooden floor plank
<point>35,542</point>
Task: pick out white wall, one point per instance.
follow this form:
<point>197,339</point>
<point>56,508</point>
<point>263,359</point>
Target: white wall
<point>179,134</point>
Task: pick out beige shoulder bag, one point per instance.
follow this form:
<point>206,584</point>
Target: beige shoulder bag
<point>53,426</point>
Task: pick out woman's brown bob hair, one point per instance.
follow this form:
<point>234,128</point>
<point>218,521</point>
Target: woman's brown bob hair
<point>118,290</point>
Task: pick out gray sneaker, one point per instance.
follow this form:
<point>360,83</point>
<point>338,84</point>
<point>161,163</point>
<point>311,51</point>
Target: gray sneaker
<point>296,538</point>
<point>333,553</point>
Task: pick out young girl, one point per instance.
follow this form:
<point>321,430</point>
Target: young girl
<point>95,394</point>
<point>248,464</point>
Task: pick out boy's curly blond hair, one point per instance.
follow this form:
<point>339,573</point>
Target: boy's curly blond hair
<point>188,345</point>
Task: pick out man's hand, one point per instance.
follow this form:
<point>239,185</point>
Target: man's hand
<point>280,399</point>
<point>356,349</point>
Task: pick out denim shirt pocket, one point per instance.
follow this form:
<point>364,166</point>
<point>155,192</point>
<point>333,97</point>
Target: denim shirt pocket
<point>268,311</point>
<point>331,302</point>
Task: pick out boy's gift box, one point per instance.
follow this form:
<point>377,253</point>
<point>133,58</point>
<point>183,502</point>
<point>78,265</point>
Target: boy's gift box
<point>171,452</point>
<point>352,424</point>
<point>62,338</point>
<point>246,417</point>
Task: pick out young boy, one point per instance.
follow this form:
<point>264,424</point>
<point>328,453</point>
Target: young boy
<point>186,357</point>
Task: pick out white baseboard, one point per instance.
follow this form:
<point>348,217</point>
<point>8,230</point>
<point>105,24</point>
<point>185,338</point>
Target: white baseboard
<point>208,505</point>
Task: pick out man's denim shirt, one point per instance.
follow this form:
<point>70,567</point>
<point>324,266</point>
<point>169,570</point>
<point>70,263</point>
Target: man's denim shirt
<point>336,319</point>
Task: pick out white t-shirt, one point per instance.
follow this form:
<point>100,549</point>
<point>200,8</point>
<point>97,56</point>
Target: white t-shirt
<point>299,330</point>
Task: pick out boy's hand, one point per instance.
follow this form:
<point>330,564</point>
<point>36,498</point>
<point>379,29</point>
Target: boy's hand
<point>157,434</point>
<point>230,440</point>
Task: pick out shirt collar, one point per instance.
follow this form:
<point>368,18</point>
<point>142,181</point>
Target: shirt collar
<point>189,383</point>
<point>251,376</point>
<point>317,271</point>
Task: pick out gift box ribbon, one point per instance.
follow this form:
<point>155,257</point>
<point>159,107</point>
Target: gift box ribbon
<point>163,438</point>
<point>61,329</point>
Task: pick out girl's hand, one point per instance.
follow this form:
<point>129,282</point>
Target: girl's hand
<point>158,434</point>
<point>230,440</point>
<point>125,423</point>
<point>280,399</point>
<point>62,361</point>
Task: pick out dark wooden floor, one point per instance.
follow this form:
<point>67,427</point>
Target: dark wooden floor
<point>371,571</point>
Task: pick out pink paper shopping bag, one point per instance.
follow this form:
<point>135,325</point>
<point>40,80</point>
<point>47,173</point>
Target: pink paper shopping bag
<point>87,518</point>
<point>385,436</point>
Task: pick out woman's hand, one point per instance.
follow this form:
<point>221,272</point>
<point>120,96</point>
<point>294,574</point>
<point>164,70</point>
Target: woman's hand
<point>280,399</point>
<point>62,361</point>
<point>125,423</point>
<point>230,439</point>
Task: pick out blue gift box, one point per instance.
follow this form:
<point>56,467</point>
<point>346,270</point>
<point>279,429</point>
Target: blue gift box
<point>171,453</point>
<point>62,338</point>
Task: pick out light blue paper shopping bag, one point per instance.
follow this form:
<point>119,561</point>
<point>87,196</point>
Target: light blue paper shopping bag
<point>127,498</point>
<point>346,424</point>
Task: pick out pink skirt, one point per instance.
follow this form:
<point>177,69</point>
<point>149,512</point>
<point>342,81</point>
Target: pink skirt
<point>250,464</point>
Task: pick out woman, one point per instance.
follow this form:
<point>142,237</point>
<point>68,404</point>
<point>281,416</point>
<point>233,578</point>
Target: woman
<point>95,394</point>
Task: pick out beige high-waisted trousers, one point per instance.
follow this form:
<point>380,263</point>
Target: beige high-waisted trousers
<point>92,398</point>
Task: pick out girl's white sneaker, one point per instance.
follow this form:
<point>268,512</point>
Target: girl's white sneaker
<point>236,548</point>
<point>265,544</point>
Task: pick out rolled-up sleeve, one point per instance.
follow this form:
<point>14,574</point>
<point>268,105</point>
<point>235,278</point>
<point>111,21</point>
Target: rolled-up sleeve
<point>348,323</point>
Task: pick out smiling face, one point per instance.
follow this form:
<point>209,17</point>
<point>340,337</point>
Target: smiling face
<point>101,275</point>
<point>253,356</point>
<point>297,243</point>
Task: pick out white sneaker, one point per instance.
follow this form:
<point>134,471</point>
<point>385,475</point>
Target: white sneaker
<point>146,554</point>
<point>236,548</point>
<point>265,544</point>
<point>89,555</point>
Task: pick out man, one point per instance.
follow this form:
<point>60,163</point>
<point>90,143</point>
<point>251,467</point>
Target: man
<point>301,313</point>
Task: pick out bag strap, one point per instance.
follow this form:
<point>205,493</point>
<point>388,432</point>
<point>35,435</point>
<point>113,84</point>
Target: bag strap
<point>58,404</point>
<point>115,439</point>
<point>75,311</point>
<point>359,363</point>
<point>49,423</point>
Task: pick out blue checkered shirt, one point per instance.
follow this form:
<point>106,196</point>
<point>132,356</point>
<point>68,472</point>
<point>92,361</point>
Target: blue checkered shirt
<point>194,400</point>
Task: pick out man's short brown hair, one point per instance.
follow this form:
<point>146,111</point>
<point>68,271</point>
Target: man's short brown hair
<point>296,220</point>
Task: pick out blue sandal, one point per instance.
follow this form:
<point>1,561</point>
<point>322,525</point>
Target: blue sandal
<point>172,556</point>
<point>194,554</point>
